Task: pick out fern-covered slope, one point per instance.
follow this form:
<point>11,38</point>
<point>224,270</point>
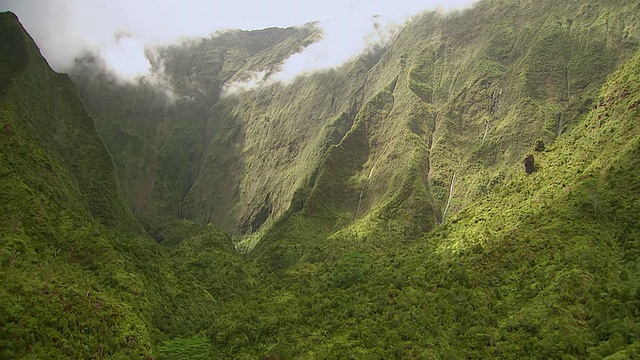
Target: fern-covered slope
<point>544,266</point>
<point>448,115</point>
<point>470,91</point>
<point>79,277</point>
<point>355,257</point>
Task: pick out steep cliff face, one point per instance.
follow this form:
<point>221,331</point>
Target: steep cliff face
<point>157,127</point>
<point>452,107</point>
<point>268,144</point>
<point>391,210</point>
<point>79,277</point>
<point>428,123</point>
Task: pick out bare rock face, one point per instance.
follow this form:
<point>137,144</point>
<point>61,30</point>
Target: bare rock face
<point>529,165</point>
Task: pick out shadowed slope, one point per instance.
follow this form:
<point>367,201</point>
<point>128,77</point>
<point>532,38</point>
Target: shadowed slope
<point>79,278</point>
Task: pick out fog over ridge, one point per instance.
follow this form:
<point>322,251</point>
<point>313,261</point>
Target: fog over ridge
<point>122,32</point>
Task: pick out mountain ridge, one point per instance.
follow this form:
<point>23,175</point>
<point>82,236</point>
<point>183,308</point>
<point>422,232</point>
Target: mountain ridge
<point>340,182</point>
<point>431,67</point>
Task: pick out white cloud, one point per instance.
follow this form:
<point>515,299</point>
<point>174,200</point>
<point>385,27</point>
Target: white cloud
<point>126,55</point>
<point>120,30</point>
<point>337,45</point>
<point>254,80</point>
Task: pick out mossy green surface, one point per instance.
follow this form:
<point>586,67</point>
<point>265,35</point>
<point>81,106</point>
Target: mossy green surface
<point>472,90</point>
<point>79,276</point>
<point>356,258</point>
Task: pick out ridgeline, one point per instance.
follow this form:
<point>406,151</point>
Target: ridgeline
<point>469,190</point>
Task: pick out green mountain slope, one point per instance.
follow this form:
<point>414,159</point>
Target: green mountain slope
<point>462,97</point>
<point>61,216</point>
<point>448,117</point>
<point>157,128</point>
<point>79,277</point>
<point>386,207</point>
<point>544,266</point>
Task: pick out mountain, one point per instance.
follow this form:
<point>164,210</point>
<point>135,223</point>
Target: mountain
<point>468,190</point>
<point>79,276</point>
<point>464,94</point>
<point>158,128</point>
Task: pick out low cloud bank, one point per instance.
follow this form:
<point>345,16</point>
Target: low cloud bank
<point>124,33</point>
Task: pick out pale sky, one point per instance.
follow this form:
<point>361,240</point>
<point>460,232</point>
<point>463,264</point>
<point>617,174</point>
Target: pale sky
<point>121,29</point>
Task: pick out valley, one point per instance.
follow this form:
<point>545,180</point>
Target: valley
<point>382,209</point>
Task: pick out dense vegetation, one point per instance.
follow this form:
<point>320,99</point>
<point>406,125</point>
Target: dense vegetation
<point>385,204</point>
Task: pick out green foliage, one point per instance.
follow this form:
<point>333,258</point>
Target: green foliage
<point>13,50</point>
<point>351,261</point>
<point>350,269</point>
<point>471,90</point>
<point>79,276</point>
<point>192,348</point>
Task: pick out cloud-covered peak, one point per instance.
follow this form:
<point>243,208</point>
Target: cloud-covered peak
<point>121,30</point>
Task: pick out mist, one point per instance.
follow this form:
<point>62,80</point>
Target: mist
<point>338,45</point>
<point>122,31</point>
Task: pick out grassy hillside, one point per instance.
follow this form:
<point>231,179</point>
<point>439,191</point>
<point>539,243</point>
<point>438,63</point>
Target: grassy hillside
<point>79,277</point>
<point>472,91</point>
<point>157,128</point>
<point>544,266</point>
<point>387,205</point>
